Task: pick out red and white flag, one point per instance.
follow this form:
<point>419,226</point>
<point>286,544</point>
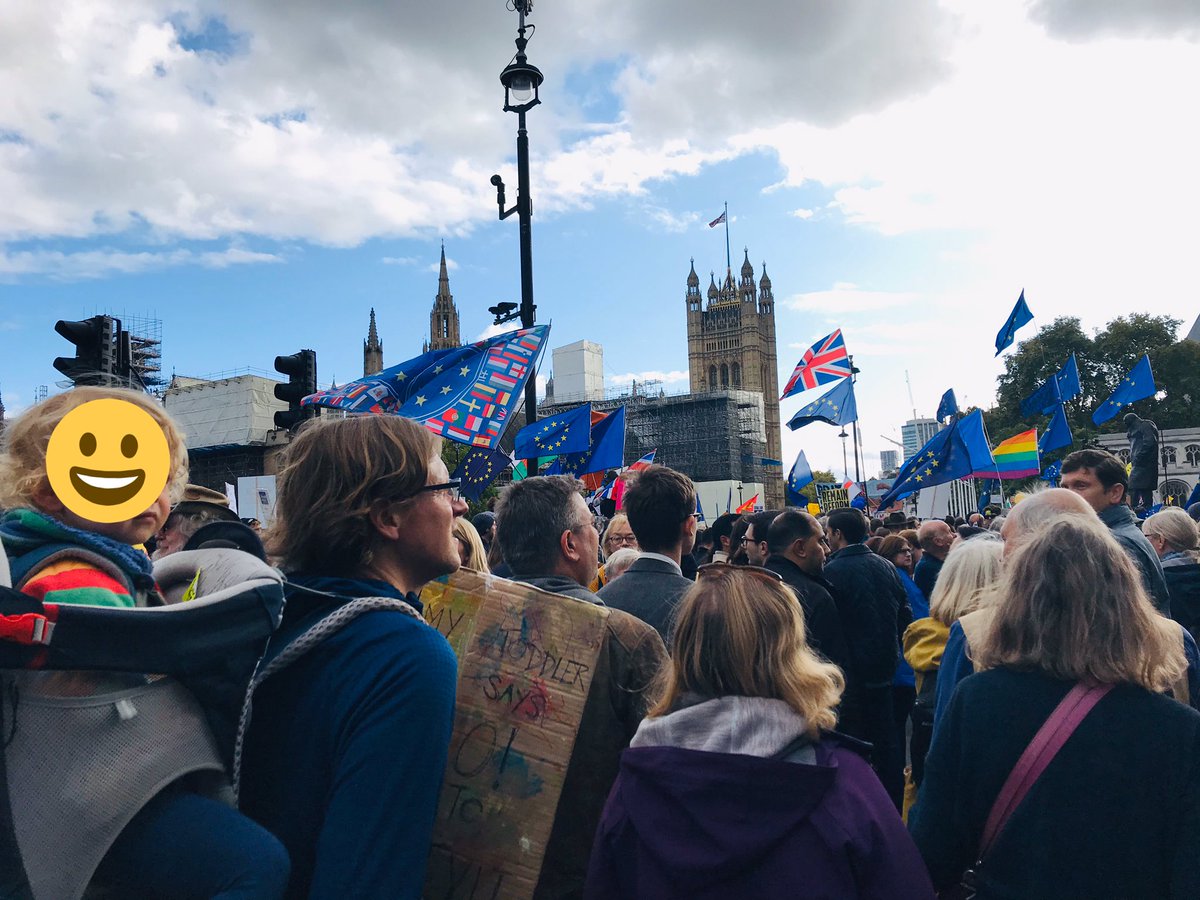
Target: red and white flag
<point>717,221</point>
<point>644,463</point>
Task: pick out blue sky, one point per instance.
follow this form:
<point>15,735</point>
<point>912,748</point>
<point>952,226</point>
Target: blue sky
<point>260,181</point>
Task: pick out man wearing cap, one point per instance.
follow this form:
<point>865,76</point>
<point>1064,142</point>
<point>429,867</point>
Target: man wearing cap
<point>198,508</point>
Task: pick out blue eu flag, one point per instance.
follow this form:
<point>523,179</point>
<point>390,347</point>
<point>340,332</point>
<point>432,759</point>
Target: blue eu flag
<point>948,406</point>
<point>1058,434</point>
<point>1137,385</point>
<point>1053,472</point>
<point>952,453</point>
<point>800,475</point>
<point>1018,317</point>
<point>567,432</point>
<point>837,408</point>
<point>1059,388</point>
<point>607,450</point>
<point>479,468</point>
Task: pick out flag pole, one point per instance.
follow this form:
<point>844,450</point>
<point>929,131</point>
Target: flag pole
<point>1000,481</point>
<point>728,258</point>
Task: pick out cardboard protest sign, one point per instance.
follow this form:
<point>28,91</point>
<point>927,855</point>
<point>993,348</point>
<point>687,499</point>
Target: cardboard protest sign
<point>525,664</point>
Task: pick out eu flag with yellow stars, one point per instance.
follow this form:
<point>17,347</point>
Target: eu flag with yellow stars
<point>465,394</point>
<point>952,453</point>
<point>567,432</point>
<point>1137,385</point>
<point>837,408</point>
<point>607,450</point>
<point>479,468</point>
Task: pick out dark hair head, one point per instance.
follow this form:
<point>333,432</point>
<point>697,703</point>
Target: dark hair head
<point>1108,469</point>
<point>850,523</point>
<point>531,516</point>
<point>658,500</point>
<point>789,526</point>
<point>761,522</point>
<point>723,527</point>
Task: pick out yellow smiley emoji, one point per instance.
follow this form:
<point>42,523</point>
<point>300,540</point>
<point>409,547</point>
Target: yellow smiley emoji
<point>108,461</point>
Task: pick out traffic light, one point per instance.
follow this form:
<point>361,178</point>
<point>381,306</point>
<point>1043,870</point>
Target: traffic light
<point>95,348</point>
<point>301,370</point>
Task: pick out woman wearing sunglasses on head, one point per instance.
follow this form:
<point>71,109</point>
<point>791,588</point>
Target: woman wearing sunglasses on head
<point>733,785</point>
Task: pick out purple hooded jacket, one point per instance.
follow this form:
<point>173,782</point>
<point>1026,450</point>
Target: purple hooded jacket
<point>693,823</point>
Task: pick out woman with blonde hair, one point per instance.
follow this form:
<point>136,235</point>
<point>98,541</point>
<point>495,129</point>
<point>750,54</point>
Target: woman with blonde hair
<point>733,785</point>
<point>1061,769</point>
<point>970,572</point>
<point>470,546</point>
<point>1175,539</point>
<point>618,533</point>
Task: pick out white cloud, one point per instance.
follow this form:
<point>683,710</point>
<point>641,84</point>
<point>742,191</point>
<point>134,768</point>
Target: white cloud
<point>802,213</point>
<point>845,298</point>
<point>1083,19</point>
<point>101,263</point>
<point>400,261</point>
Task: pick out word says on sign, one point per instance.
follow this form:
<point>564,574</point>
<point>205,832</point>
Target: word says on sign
<point>525,664</point>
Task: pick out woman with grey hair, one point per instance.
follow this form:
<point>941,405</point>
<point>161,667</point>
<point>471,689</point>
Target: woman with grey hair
<point>1175,538</point>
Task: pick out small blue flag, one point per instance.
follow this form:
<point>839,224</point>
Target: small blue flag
<point>1068,379</point>
<point>567,432</point>
<point>1058,434</point>
<point>1053,472</point>
<point>836,407</point>
<point>700,509</point>
<point>986,486</point>
<point>1137,385</point>
<point>953,452</point>
<point>948,406</point>
<point>479,468</point>
<point>607,450</point>
<point>1018,317</point>
<point>800,475</point>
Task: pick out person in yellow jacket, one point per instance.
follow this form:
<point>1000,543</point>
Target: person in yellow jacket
<point>967,578</point>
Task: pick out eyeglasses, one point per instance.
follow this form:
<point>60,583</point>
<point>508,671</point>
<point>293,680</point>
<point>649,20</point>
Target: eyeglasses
<point>709,570</point>
<point>907,550</point>
<point>628,539</point>
<point>450,488</point>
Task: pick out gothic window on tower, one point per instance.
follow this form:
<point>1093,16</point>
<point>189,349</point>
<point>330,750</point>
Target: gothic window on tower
<point>712,378</point>
<point>445,327</point>
<point>724,375</point>
<point>737,375</point>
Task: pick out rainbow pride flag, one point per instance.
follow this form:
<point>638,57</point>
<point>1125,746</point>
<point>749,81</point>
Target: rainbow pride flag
<point>1017,457</point>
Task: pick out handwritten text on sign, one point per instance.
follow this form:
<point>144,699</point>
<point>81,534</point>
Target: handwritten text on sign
<point>525,664</point>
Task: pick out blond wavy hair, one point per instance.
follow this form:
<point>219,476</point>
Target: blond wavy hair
<point>740,633</point>
<point>476,555</point>
<point>968,579</point>
<point>1072,605</point>
<point>23,449</point>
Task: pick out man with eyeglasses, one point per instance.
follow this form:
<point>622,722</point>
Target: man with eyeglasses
<point>755,538</point>
<point>549,539</point>
<point>796,552</point>
<point>661,506</point>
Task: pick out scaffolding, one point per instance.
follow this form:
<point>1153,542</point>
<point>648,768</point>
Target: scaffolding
<point>714,436</point>
<point>145,341</point>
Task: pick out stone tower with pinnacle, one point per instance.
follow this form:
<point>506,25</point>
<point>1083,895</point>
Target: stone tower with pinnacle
<point>443,318</point>
<point>372,350</point>
<point>731,346</point>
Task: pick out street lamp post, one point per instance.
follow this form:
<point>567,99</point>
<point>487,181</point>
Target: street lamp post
<point>521,82</point>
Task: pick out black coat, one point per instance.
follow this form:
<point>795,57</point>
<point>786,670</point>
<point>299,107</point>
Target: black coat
<point>874,610</point>
<point>1116,814</point>
<point>1143,455</point>
<point>822,625</point>
<point>1183,584</point>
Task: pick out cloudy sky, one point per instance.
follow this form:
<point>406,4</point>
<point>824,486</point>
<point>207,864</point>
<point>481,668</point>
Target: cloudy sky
<point>258,175</point>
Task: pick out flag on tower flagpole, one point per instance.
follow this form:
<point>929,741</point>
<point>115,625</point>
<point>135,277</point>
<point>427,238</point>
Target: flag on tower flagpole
<point>717,221</point>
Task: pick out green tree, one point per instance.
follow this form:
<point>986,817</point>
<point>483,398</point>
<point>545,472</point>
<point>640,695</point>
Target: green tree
<point>810,489</point>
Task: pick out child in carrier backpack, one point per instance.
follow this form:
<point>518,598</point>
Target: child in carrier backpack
<point>118,455</point>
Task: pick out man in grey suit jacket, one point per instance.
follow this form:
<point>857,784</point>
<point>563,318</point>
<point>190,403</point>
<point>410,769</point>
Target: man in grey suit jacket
<point>661,505</point>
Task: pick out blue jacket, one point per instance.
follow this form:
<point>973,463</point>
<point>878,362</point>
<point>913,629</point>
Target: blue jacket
<point>346,747</point>
<point>920,610</point>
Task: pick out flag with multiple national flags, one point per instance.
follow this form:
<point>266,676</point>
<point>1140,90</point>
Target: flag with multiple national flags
<point>464,394</point>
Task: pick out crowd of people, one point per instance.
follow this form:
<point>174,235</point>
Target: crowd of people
<point>784,705</point>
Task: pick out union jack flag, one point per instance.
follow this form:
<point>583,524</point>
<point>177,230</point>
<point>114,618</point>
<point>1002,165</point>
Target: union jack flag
<point>824,362</point>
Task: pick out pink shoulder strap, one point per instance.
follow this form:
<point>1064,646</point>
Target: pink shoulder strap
<point>1045,745</point>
